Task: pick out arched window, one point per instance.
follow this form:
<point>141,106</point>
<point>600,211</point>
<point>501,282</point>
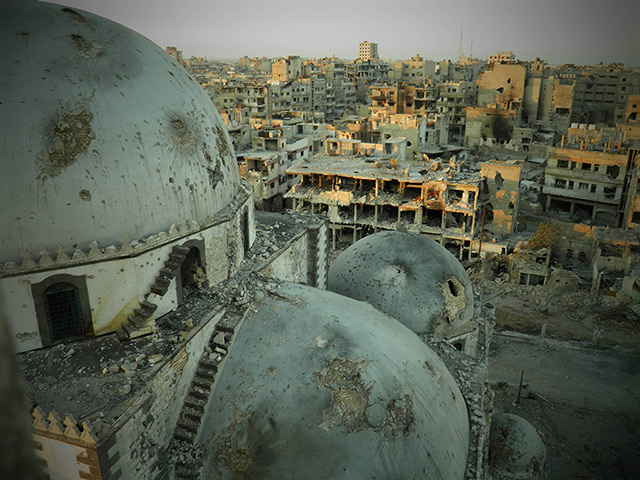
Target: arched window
<point>569,255</point>
<point>62,308</point>
<point>64,315</point>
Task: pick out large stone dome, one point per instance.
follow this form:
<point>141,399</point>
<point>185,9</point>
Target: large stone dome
<point>103,134</point>
<point>408,276</point>
<point>317,386</point>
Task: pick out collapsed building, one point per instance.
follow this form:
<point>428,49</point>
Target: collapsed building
<point>363,188</point>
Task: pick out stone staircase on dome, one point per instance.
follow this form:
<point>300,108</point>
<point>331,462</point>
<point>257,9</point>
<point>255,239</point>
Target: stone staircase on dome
<point>194,406</point>
<point>141,321</point>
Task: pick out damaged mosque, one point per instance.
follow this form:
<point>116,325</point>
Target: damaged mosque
<point>167,329</point>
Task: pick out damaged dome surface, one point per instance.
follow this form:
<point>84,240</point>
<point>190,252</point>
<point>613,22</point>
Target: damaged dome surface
<point>104,134</point>
<point>317,385</point>
<point>408,276</point>
<point>516,450</point>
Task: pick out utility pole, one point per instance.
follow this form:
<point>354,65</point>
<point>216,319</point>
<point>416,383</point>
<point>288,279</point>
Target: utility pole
<point>460,47</point>
<point>475,280</point>
<point>519,388</point>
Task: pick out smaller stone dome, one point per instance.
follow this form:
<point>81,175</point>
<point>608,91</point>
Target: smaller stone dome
<point>408,276</point>
<point>516,450</point>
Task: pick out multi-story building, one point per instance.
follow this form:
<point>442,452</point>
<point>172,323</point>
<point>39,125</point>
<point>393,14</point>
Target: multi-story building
<point>592,186</point>
<point>414,70</point>
<point>453,99</point>
<point>366,74</point>
<point>502,85</point>
<point>600,93</point>
<point>493,126</point>
<point>401,98</point>
<point>314,94</point>
<point>368,51</point>
<point>237,123</point>
<point>266,172</point>
<point>175,53</point>
<point>286,69</point>
<point>502,57</point>
<point>367,187</point>
<point>253,96</point>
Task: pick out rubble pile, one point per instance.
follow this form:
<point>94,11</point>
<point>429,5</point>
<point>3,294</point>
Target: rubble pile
<point>538,296</point>
<point>468,373</point>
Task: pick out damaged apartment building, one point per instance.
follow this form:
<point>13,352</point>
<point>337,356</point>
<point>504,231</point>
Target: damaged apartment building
<point>364,187</point>
<point>275,144</point>
<point>594,180</point>
<point>516,100</point>
<point>497,118</point>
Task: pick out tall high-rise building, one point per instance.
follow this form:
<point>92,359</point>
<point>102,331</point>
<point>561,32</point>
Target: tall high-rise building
<point>368,51</point>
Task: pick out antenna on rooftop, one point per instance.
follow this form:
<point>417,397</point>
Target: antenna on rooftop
<point>471,49</point>
<point>460,47</point>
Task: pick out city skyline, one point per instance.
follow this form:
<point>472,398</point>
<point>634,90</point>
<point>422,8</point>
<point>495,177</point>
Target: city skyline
<point>574,32</point>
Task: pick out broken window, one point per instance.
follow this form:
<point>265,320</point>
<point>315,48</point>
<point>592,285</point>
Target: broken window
<point>609,192</point>
<point>392,186</point>
<point>536,279</point>
<point>593,188</point>
<point>583,211</point>
<point>487,211</point>
<point>192,273</point>
<point>559,205</point>
<point>586,166</point>
<point>455,195</point>
<point>407,216</point>
<point>345,212</point>
<point>347,183</point>
<point>411,192</point>
<point>499,181</point>
<point>432,218</point>
<point>583,186</point>
<point>560,183</point>
<point>388,213</point>
<point>368,212</point>
<point>563,164</point>
<point>613,171</point>
<point>367,185</point>
<point>454,220</point>
<point>321,208</point>
<point>568,255</point>
<point>64,316</point>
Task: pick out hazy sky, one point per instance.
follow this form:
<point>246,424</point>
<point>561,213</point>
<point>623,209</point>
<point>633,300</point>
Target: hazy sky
<point>561,31</point>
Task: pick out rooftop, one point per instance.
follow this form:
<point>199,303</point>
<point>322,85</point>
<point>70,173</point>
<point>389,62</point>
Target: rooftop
<point>380,168</point>
<point>99,379</point>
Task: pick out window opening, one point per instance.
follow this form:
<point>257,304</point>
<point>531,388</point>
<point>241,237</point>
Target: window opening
<point>64,316</point>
